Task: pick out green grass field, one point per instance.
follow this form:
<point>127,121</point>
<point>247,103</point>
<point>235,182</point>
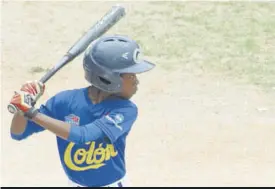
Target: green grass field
<point>236,38</point>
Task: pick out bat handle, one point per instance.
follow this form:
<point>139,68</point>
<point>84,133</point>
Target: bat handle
<point>12,109</point>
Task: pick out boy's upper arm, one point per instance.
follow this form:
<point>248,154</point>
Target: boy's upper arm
<point>117,122</point>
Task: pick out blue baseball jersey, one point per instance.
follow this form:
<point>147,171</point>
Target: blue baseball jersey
<point>93,163</point>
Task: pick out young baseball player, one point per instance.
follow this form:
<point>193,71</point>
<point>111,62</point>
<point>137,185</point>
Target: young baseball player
<point>91,124</point>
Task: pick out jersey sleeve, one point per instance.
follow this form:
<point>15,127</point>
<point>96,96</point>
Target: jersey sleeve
<point>117,122</point>
<point>31,127</point>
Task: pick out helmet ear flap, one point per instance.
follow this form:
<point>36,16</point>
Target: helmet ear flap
<point>103,78</point>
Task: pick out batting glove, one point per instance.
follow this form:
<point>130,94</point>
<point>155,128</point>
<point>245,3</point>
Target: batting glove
<point>25,100</point>
<point>34,88</point>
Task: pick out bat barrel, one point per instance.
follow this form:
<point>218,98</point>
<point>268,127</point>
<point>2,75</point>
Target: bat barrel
<point>98,29</point>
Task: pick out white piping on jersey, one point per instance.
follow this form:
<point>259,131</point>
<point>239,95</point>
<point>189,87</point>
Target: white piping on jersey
<point>113,121</point>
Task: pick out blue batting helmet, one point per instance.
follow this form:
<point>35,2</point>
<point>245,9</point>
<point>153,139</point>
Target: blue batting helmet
<point>110,56</point>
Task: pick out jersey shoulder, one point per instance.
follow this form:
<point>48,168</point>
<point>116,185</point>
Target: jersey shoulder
<point>64,99</point>
<point>68,95</point>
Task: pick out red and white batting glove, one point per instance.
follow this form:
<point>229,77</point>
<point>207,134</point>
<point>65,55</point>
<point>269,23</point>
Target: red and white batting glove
<point>25,100</point>
<point>34,88</point>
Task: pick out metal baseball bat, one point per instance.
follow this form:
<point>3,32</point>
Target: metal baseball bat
<point>98,29</point>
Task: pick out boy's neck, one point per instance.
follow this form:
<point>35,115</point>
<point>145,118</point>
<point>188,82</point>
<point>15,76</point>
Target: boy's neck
<point>96,95</point>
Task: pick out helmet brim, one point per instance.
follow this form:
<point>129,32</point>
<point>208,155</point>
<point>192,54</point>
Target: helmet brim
<point>142,66</point>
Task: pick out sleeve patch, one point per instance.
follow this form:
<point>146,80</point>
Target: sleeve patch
<point>116,120</point>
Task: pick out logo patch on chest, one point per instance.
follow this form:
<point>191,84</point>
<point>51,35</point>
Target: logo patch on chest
<point>72,119</point>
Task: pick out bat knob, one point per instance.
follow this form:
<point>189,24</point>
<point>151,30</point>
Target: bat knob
<point>12,109</point>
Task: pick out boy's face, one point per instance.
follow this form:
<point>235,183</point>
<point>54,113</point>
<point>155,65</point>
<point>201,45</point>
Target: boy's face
<point>129,85</point>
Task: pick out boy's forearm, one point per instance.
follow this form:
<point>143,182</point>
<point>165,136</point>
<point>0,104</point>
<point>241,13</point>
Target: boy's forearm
<point>59,128</point>
<point>18,124</point>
